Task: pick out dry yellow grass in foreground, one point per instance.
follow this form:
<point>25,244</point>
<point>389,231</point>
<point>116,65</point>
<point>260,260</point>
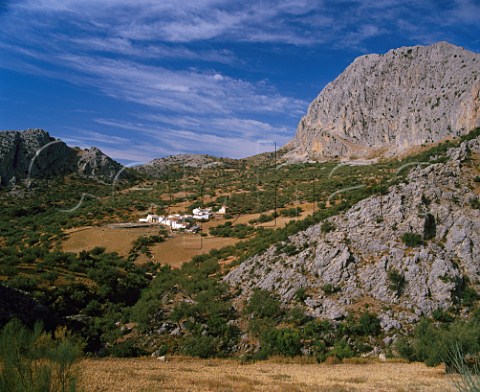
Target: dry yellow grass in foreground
<point>188,374</point>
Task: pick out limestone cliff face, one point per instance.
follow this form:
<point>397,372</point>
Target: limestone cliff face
<point>383,105</point>
<point>35,154</point>
<point>358,256</point>
<point>94,163</point>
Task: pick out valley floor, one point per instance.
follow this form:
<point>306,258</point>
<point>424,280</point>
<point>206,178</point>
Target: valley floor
<point>189,374</point>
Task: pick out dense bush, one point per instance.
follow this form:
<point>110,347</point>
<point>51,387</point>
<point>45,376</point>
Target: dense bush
<point>284,341</point>
<point>435,343</point>
<point>263,304</point>
<point>369,324</point>
<point>229,230</point>
<point>32,361</point>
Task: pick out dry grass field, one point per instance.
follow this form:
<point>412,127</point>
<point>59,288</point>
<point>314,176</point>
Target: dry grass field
<point>114,240</point>
<point>189,374</point>
<point>174,251</point>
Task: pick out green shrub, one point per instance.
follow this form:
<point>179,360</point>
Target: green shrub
<point>369,324</point>
<point>199,346</point>
<point>301,294</point>
<point>32,361</point>
<point>327,227</point>
<point>433,343</point>
<point>126,349</point>
<point>285,341</point>
<point>342,350</point>
<point>412,239</point>
<point>263,304</point>
<point>330,289</point>
<point>291,212</point>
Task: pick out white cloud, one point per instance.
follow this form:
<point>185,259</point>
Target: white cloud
<point>175,63</point>
<point>169,141</point>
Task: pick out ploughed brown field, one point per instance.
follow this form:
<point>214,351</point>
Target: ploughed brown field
<point>189,374</point>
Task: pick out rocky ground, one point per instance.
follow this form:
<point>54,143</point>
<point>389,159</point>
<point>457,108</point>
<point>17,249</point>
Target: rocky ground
<point>359,257</point>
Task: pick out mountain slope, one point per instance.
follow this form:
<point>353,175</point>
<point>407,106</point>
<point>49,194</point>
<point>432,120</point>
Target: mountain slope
<point>160,166</point>
<point>383,105</point>
<point>406,253</point>
<point>35,154</point>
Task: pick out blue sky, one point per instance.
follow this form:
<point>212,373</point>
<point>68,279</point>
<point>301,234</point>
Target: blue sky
<point>149,78</point>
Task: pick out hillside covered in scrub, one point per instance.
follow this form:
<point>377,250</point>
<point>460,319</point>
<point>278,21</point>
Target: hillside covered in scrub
<point>343,261</point>
<point>300,255</point>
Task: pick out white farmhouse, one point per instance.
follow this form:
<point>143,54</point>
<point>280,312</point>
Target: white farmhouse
<point>176,222</point>
<point>151,218</point>
<point>202,213</point>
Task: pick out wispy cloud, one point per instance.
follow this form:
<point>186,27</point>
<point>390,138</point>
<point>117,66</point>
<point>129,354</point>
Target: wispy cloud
<point>191,70</point>
<point>163,140</point>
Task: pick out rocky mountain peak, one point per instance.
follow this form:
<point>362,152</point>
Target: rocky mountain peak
<point>93,162</point>
<point>33,153</point>
<point>383,105</point>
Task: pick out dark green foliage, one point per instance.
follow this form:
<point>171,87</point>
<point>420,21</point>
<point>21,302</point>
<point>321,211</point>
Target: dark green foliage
<point>126,349</point>
<point>434,343</point>
<point>230,230</point>
<point>369,324</point>
<point>287,248</point>
<point>397,281</point>
<point>330,289</point>
<point>412,239</point>
<point>284,341</point>
<point>469,296</point>
<point>291,212</point>
<point>301,294</point>
<point>141,244</point>
<point>442,315</point>
<point>342,350</point>
<point>263,311</point>
<point>475,203</point>
<point>200,346</point>
<point>263,304</point>
<point>297,316</point>
<point>327,227</point>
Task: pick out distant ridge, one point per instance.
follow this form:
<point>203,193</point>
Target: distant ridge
<point>33,153</point>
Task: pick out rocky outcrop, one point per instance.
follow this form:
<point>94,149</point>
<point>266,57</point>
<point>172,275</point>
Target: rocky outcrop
<point>368,258</point>
<point>95,164</point>
<point>35,154</point>
<point>383,105</point>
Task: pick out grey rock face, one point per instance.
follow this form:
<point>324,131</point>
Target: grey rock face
<point>383,105</point>
<point>94,163</point>
<point>357,259</point>
<point>35,154</point>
